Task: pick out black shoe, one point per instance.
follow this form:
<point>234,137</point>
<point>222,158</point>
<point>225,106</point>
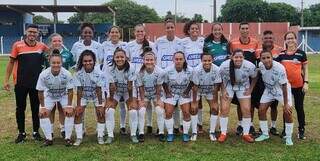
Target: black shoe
<point>162,138</point>
<point>301,135</point>
<point>36,136</point>
<point>283,133</point>
<point>68,142</point>
<point>141,137</point>
<point>123,131</point>
<point>157,133</point>
<point>21,138</point>
<point>239,130</point>
<point>274,131</point>
<point>149,129</point>
<point>200,129</point>
<point>63,134</point>
<point>252,131</point>
<point>47,143</point>
<point>176,131</point>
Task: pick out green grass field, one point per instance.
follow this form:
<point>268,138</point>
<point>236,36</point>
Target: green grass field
<point>152,149</point>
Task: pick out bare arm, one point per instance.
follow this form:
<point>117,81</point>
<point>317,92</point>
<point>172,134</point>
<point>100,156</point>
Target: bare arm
<point>70,97</point>
<point>41,98</point>
<point>10,65</point>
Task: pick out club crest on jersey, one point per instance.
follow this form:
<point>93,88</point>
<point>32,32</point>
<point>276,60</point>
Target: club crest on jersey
<point>194,56</point>
<point>166,58</point>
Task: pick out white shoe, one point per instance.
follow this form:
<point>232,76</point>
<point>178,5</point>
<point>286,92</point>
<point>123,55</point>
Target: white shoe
<point>77,142</point>
<point>193,137</point>
<point>100,140</point>
<point>213,137</point>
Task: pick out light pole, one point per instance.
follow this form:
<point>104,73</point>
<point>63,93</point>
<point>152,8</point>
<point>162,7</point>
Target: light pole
<point>302,19</point>
<point>175,11</point>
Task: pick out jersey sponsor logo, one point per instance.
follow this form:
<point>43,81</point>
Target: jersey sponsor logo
<point>220,57</point>
<point>194,56</point>
<point>167,58</point>
<point>137,60</point>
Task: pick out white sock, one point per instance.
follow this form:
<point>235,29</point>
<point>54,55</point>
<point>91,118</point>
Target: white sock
<point>224,125</point>
<point>110,121</point>
<point>194,123</point>
<point>68,124</point>
<point>79,130</point>
<point>264,127</point>
<point>273,124</point>
<point>141,119</point>
<point>186,126</point>
<point>100,129</point>
<point>46,128</point>
<point>149,116</point>
<point>169,125</point>
<point>200,115</point>
<point>246,125</point>
<point>176,117</point>
<point>133,121</point>
<point>61,128</point>
<point>289,129</point>
<point>123,114</point>
<point>160,119</point>
<point>213,123</point>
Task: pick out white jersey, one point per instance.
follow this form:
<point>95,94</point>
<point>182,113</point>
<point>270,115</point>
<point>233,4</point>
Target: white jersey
<point>193,50</point>
<point>79,47</point>
<point>273,78</point>
<point>55,87</point>
<point>206,80</point>
<point>166,49</point>
<point>108,50</point>
<point>242,75</point>
<point>149,81</point>
<point>120,77</point>
<point>89,82</point>
<point>177,81</point>
<point>134,51</point>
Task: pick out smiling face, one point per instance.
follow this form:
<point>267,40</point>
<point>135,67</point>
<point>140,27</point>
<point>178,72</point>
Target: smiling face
<point>268,40</point>
<point>56,42</point>
<point>266,59</point>
<point>291,40</point>
<point>119,58</point>
<point>217,31</point>
<point>206,62</point>
<point>194,30</point>
<point>139,33</point>
<point>237,59</point>
<point>244,30</point>
<point>114,34</point>
<point>32,34</point>
<point>178,60</point>
<point>88,63</point>
<point>170,29</point>
<point>55,64</point>
<point>87,34</point>
<point>149,61</point>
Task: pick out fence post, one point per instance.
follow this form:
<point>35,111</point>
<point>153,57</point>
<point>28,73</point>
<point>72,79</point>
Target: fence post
<point>1,40</point>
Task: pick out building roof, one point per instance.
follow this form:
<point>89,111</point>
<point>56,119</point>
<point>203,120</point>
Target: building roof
<point>310,28</point>
<point>57,8</point>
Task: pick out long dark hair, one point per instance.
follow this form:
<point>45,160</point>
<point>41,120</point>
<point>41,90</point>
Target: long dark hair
<point>113,62</point>
<point>185,64</point>
<point>210,37</point>
<point>231,67</point>
<point>86,53</point>
<point>187,26</point>
<point>145,42</point>
<point>146,51</point>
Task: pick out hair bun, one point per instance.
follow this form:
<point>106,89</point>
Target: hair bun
<point>55,51</point>
<point>147,49</point>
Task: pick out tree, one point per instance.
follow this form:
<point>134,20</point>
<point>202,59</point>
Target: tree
<point>38,19</point>
<point>282,12</point>
<point>312,15</point>
<point>198,18</point>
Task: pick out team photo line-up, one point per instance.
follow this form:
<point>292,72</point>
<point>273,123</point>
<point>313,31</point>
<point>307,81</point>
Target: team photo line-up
<point>171,76</point>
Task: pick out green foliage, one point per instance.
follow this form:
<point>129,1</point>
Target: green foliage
<point>312,15</point>
<point>38,19</point>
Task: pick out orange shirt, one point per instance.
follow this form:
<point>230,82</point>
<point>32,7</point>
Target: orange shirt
<point>29,63</point>
<point>249,48</point>
<point>275,51</point>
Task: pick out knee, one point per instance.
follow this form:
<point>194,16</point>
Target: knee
<point>186,115</point>
<point>214,111</point>
<point>168,114</point>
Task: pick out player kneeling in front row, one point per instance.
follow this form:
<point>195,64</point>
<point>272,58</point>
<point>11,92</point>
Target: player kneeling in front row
<point>206,79</point>
<point>277,88</point>
<point>121,80</point>
<point>89,81</point>
<point>55,85</point>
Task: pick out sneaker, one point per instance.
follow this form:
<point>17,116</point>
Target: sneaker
<point>185,138</point>
<point>109,140</point>
<point>77,142</point>
<point>212,137</point>
<point>239,130</point>
<point>176,131</point>
<point>162,138</point>
<point>149,129</point>
<point>262,137</point>
<point>63,134</point>
<point>141,137</point>
<point>47,143</point>
<point>100,140</point>
<point>274,131</point>
<point>193,137</point>
<point>21,138</point>
<point>301,135</point>
<point>289,141</point>
<point>68,142</point>
<point>248,138</point>
<point>134,139</point>
<point>222,138</point>
<point>157,133</point>
<point>36,136</point>
<point>252,131</point>
<point>123,131</point>
<point>170,138</point>
<point>200,129</point>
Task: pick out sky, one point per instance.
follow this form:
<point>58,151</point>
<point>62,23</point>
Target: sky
<point>184,7</point>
